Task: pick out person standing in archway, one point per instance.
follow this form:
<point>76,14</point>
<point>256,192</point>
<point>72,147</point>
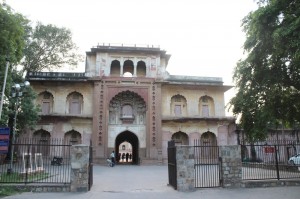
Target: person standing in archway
<point>123,157</point>
<point>130,157</point>
<point>127,155</point>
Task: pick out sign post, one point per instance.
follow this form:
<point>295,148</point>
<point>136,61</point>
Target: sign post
<point>4,140</point>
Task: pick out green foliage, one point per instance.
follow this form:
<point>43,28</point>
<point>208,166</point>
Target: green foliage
<point>13,28</point>
<point>17,177</point>
<point>12,34</point>
<point>34,49</point>
<point>268,79</point>
<point>11,190</point>
<point>50,47</point>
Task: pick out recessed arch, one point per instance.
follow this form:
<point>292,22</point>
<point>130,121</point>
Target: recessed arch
<point>74,103</point>
<point>115,68</point>
<point>206,106</point>
<point>127,107</point>
<point>180,138</point>
<point>46,101</point>
<point>208,138</point>
<point>141,69</point>
<point>178,105</point>
<point>73,137</point>
<point>128,136</point>
<point>128,67</point>
<point>42,138</point>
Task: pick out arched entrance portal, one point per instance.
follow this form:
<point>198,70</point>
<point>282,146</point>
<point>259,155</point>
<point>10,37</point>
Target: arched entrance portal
<point>131,138</point>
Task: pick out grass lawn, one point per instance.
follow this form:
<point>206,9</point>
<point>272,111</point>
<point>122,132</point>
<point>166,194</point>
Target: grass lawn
<point>11,190</point>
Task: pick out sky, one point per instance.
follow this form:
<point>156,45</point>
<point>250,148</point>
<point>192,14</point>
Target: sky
<point>204,38</point>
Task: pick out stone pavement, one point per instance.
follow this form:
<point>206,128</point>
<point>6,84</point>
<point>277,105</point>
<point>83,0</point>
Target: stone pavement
<point>150,182</point>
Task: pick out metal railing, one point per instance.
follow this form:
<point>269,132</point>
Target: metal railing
<point>207,164</point>
<point>172,165</point>
<point>37,160</point>
<point>126,45</point>
<point>269,161</point>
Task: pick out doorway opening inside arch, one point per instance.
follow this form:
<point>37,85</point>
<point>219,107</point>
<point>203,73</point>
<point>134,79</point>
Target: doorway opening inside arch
<point>125,153</point>
<point>132,140</point>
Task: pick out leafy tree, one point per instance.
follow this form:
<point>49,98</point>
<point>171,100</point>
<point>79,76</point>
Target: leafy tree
<point>49,47</point>
<point>44,47</point>
<point>12,34</point>
<point>14,30</point>
<point>268,79</point>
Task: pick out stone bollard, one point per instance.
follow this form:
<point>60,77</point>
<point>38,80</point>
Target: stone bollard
<point>79,168</point>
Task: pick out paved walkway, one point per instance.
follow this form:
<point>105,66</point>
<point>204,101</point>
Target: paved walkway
<point>150,182</point>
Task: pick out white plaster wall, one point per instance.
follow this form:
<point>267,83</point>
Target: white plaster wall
<point>90,66</point>
<point>60,94</point>
<point>192,96</point>
<point>100,64</point>
<point>191,127</point>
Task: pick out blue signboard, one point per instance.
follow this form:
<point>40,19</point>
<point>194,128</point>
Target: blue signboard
<point>4,140</point>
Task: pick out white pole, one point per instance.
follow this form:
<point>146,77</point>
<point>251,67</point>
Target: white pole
<point>3,88</point>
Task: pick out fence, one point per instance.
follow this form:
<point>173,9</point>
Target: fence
<point>37,161</point>
<point>172,166</point>
<point>269,161</point>
<point>207,164</point>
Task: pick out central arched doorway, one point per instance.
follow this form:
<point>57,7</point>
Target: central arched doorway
<point>131,138</point>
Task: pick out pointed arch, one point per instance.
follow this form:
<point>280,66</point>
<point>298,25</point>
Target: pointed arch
<point>141,69</point>
<point>180,138</point>
<point>127,107</point>
<point>208,138</point>
<point>74,103</point>
<point>115,68</point>
<point>42,138</point>
<point>206,106</point>
<point>128,136</point>
<point>73,137</point>
<point>178,105</point>
<point>209,144</point>
<point>128,68</point>
<point>46,101</point>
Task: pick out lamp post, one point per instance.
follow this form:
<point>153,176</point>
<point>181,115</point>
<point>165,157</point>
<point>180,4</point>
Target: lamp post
<point>17,92</point>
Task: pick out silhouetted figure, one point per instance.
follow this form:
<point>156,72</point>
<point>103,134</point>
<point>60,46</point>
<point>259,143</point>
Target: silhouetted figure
<point>130,156</point>
<point>127,156</point>
<point>123,157</point>
<point>119,157</point>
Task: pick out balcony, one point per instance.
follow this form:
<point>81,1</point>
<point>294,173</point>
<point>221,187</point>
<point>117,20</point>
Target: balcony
<point>127,119</point>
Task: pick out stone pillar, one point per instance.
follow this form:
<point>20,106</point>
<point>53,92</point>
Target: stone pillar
<point>185,168</point>
<point>79,168</point>
<point>231,166</point>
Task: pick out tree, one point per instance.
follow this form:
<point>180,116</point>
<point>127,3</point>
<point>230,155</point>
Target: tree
<point>14,30</point>
<point>49,47</point>
<point>12,34</point>
<point>268,79</point>
<point>27,110</point>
